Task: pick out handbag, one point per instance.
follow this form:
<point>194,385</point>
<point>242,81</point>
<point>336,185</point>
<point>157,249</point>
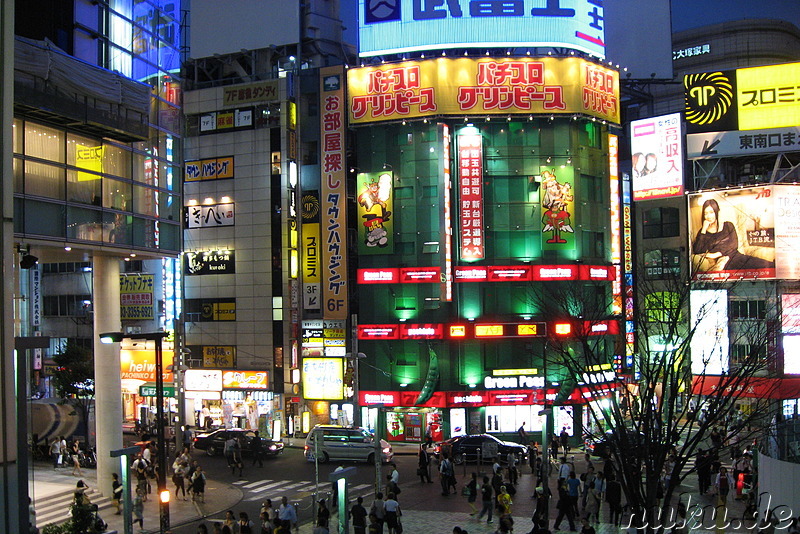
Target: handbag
<point>466,491</point>
<point>399,528</point>
<point>420,471</point>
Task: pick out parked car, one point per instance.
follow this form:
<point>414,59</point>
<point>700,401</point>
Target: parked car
<point>214,442</point>
<point>605,444</point>
<point>336,442</point>
<point>465,448</point>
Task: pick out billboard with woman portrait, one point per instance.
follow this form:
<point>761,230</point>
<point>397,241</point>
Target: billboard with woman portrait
<point>732,234</point>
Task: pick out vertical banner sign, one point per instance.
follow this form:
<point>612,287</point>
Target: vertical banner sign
<point>616,222</point>
<point>470,187</point>
<point>36,297</point>
<point>627,267</point>
<point>309,211</point>
<point>334,194</point>
<point>375,195</point>
<point>445,226</point>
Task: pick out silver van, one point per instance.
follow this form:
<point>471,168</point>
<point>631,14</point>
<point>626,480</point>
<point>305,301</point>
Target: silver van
<point>336,442</point>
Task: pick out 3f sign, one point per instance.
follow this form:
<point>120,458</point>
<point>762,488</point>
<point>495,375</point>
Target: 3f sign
<point>702,94</point>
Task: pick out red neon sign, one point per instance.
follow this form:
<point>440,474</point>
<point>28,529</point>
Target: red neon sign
<point>470,195</point>
<point>378,331</point>
<point>510,273</point>
<point>378,276</point>
<point>421,331</point>
<point>472,273</point>
<point>420,274</point>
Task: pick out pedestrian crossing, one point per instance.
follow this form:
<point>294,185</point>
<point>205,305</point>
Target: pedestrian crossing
<point>261,489</point>
<point>56,508</point>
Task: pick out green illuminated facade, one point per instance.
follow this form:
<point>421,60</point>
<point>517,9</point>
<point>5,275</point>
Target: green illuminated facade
<point>523,160</point>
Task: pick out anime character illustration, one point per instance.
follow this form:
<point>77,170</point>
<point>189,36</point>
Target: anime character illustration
<point>374,199</point>
<point>556,220</point>
<point>555,215</point>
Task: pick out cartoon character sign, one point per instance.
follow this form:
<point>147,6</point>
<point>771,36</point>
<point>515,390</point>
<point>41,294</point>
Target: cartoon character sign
<point>556,199</point>
<point>375,208</point>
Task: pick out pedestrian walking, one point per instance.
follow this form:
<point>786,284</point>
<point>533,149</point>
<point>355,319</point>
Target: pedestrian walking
<point>320,529</point>
<point>378,510</point>
<point>76,458</point>
<point>55,452</point>
<point>511,461</point>
<point>266,508</point>
<point>586,527</point>
<point>614,500</point>
<point>565,507</point>
<point>574,489</point>
<point>446,472</point>
<point>287,515</point>
<point>323,514</point>
<point>564,440</point>
<point>423,465</point>
<point>564,469</point>
<point>487,501</point>
<point>428,435</point>
<point>541,512</point>
<point>522,435</point>
<point>554,445</point>
<point>723,484</point>
<point>587,478</point>
<point>188,437</point>
<point>245,525</point>
<point>504,501</point>
<point>227,450</point>
<point>391,487</point>
<point>257,448</point>
<point>591,508</point>
<point>392,513</point>
<point>138,508</point>
<point>358,515</point>
<point>237,457</point>
<point>179,470</point>
<point>199,485</point>
<point>140,470</point>
<point>471,490</point>
<point>266,523</point>
<point>116,493</point>
<point>230,522</point>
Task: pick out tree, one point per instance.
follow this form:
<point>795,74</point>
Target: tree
<point>682,344</point>
<point>73,378</point>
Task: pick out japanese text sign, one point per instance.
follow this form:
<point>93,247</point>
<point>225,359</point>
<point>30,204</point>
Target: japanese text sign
<point>464,86</point>
<point>657,157</point>
<point>334,193</point>
<point>410,25</point>
<point>470,195</point>
<point>255,92</point>
<point>136,296</point>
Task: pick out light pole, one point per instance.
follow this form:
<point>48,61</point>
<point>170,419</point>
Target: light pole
<point>163,492</point>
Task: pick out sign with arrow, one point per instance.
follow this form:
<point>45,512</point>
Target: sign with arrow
<point>742,142</point>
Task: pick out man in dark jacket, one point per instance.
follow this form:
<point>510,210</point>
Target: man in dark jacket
<point>565,507</point>
<point>614,500</point>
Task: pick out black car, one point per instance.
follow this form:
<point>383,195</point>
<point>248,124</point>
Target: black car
<point>605,444</point>
<point>466,449</point>
<point>214,442</point>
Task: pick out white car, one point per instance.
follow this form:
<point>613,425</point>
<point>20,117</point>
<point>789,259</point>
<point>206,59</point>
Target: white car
<point>336,442</point>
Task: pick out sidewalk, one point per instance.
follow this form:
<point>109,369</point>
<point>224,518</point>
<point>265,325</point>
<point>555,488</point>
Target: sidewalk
<point>52,493</point>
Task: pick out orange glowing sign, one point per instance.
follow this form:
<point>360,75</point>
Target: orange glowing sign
<point>245,380</point>
<point>527,329</point>
<point>563,329</point>
<point>469,86</point>
<point>489,330</point>
<point>458,331</point>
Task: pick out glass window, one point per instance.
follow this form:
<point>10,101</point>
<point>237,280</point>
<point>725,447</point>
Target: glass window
<point>170,238</point>
<point>86,224</point>
<point>119,226</point>
<point>44,142</point>
<point>116,194</point>
<point>660,222</point>
<point>44,180</point>
<point>43,218</point>
<point>144,200</point>
<point>19,182</point>
<point>116,161</point>
<point>16,132</point>
<point>80,188</point>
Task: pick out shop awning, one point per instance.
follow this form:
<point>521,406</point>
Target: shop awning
<point>752,387</point>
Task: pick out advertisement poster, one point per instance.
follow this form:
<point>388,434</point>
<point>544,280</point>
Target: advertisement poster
<point>323,378</point>
<point>709,314</point>
<point>136,296</point>
<point>311,250</point>
<point>558,205</point>
<point>395,426</point>
<point>375,196</point>
<point>733,234</point>
<point>209,262</point>
<point>459,86</point>
<point>657,157</point>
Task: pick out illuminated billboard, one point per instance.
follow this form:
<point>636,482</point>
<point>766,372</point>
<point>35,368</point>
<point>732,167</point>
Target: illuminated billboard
<point>409,25</point>
<point>657,157</point>
<point>323,378</point>
<point>375,235</point>
<point>486,86</point>
<point>743,99</point>
<point>709,317</point>
<point>748,233</point>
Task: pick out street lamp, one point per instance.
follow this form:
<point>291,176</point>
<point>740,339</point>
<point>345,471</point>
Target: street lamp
<point>163,492</point>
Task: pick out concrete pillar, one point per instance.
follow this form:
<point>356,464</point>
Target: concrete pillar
<point>108,385</point>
